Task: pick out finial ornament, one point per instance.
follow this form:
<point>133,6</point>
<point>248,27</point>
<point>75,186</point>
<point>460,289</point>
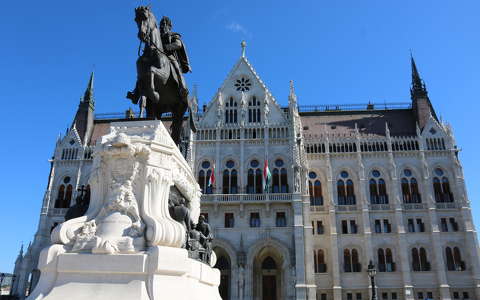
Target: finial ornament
<point>244,45</point>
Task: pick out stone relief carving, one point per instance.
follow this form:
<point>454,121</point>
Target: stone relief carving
<point>133,171</point>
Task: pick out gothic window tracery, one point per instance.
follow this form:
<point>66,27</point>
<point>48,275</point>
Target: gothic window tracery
<point>254,178</point>
<point>385,260</point>
<point>454,259</point>
<point>345,190</point>
<point>203,177</point>
<point>280,178</point>
<point>243,84</point>
<point>254,115</point>
<point>315,189</point>
<point>378,189</point>
<point>230,178</point>
<point>409,188</point>
<point>351,261</point>
<point>419,260</point>
<point>231,114</point>
<point>441,187</point>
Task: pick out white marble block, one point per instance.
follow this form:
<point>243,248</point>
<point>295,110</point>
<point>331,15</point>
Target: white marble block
<point>127,246</point>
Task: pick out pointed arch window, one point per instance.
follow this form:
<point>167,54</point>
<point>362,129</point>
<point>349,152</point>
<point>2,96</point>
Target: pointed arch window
<point>378,189</point>
<point>230,179</point>
<point>254,178</point>
<point>203,177</point>
<point>231,111</point>
<point>441,187</point>
<point>351,261</point>
<point>254,115</point>
<point>385,260</point>
<point>409,186</point>
<point>280,178</point>
<point>419,260</point>
<point>454,259</point>
<point>315,189</point>
<point>60,197</point>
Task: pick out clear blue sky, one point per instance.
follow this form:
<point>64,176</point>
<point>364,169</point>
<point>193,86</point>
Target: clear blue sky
<point>335,51</point>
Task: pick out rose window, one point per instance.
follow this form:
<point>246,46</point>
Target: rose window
<point>243,84</point>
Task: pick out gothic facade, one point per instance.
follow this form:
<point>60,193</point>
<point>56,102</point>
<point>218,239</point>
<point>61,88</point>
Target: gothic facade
<point>348,185</point>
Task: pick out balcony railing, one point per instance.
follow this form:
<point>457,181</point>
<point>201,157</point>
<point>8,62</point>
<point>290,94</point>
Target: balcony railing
<point>413,206</point>
<point>246,197</point>
<point>380,207</point>
<point>346,207</point>
<point>447,205</point>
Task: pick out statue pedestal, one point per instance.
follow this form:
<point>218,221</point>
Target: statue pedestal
<point>127,245</point>
<point>159,273</point>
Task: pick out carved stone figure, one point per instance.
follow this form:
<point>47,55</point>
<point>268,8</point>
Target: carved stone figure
<point>160,85</point>
<point>297,180</point>
<point>241,282</point>
<point>206,237</point>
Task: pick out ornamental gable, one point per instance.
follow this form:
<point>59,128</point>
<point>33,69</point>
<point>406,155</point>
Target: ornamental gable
<point>242,99</point>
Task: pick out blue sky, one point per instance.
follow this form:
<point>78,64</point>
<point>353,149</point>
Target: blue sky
<point>335,51</point>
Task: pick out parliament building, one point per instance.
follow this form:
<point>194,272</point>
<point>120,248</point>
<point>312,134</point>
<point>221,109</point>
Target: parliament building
<point>349,184</point>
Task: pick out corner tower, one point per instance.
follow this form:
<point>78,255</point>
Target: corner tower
<point>83,121</point>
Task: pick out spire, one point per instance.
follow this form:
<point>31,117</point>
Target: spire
<point>83,121</point>
<point>418,88</point>
<point>88,96</point>
<point>244,46</point>
<point>421,104</point>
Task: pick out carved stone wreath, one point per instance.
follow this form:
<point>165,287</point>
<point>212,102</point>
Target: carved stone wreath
<point>243,84</point>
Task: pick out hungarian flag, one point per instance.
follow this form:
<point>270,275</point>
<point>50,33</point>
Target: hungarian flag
<point>211,180</point>
<point>267,176</point>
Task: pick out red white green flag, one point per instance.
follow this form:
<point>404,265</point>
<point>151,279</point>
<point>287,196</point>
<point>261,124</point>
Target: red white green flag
<point>267,176</point>
<point>211,179</point>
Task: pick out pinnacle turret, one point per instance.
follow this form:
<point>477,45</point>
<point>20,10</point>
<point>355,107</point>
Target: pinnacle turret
<point>88,96</point>
<point>418,88</point>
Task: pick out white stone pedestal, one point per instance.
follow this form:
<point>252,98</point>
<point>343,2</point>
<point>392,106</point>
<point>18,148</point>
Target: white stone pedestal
<point>160,273</point>
<point>127,246</point>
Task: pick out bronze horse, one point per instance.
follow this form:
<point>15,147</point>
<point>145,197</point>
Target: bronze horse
<point>158,88</point>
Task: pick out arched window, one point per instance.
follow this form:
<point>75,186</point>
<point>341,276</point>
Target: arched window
<point>437,189</point>
<point>342,198</point>
<point>419,260</point>
<point>254,111</point>
<point>351,261</point>
<point>68,196</point>
<point>347,261</point>
<point>280,178</point>
<point>269,264</point>
<point>385,260</point>
<point>231,111</point>
<point>441,187</point>
<point>410,191</point>
<point>204,176</point>
<point>407,196</point>
<point>378,189</point>
<point>415,193</point>
<point>315,189</point>
<point>447,194</point>
<point>230,182</point>
<point>254,178</point>
<point>322,266</point>
<point>60,197</point>
<point>315,262</point>
<point>350,193</point>
<point>454,259</point>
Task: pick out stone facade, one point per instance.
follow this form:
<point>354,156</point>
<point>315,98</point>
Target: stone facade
<point>349,185</point>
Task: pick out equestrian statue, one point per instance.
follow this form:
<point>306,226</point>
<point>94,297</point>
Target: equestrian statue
<point>160,86</point>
